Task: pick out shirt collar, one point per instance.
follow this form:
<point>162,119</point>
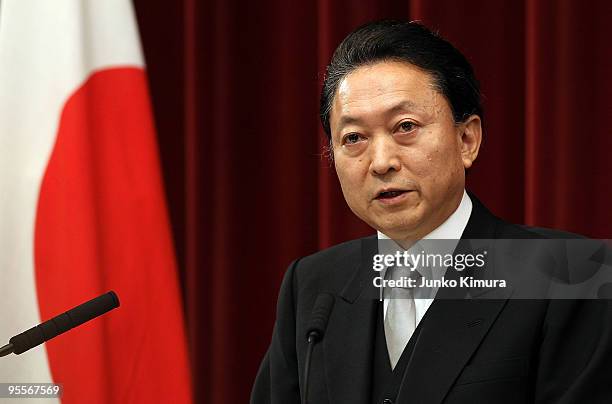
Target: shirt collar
<point>451,231</point>
<point>453,227</point>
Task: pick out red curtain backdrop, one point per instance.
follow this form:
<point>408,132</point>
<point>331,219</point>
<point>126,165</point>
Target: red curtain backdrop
<point>235,89</point>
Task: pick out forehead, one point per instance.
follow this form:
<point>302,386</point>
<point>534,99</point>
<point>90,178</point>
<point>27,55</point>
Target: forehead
<point>385,86</point>
<point>382,76</point>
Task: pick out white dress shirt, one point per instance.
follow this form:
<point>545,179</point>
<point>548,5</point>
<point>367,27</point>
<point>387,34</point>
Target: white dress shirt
<point>451,229</point>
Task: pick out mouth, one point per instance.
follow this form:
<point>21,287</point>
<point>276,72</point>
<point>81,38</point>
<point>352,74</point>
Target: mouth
<point>390,196</point>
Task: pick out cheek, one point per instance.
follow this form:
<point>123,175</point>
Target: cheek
<point>347,174</point>
<point>428,164</point>
<point>439,168</point>
<point>446,155</point>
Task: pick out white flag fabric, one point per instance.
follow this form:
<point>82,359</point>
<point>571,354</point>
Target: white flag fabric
<point>82,209</point>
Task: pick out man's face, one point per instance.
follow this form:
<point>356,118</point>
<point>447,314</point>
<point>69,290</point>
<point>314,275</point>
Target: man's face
<point>399,155</point>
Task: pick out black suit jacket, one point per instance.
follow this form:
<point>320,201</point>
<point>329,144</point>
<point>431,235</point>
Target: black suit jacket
<point>467,351</point>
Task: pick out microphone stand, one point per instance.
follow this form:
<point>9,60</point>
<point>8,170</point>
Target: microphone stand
<point>312,340</point>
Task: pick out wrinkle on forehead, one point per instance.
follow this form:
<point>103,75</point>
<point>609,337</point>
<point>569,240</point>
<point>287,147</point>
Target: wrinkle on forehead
<point>388,101</point>
<point>382,86</point>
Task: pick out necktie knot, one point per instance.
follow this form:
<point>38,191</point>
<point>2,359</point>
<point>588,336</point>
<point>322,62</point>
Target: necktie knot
<point>405,279</point>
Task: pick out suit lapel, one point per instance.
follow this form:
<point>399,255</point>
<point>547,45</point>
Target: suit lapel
<point>452,329</point>
<point>450,333</point>
<point>348,349</point>
<point>349,340</point>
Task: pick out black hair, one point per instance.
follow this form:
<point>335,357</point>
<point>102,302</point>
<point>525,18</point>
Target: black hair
<point>409,42</point>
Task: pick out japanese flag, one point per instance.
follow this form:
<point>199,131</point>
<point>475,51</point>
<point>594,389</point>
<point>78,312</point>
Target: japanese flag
<point>82,207</point>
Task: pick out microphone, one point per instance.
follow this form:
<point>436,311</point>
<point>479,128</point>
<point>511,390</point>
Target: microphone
<point>60,324</point>
<point>315,332</point>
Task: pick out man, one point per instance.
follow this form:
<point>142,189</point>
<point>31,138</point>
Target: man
<point>401,107</point>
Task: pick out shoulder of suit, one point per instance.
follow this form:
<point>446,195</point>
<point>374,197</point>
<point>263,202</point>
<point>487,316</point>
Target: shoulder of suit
<point>552,233</point>
<point>516,231</point>
<point>497,228</point>
<point>507,230</point>
<point>333,263</point>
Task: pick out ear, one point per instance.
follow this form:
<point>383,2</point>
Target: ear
<point>470,137</point>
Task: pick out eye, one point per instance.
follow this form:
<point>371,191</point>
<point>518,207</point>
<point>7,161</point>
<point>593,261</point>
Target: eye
<point>406,126</point>
<point>352,138</point>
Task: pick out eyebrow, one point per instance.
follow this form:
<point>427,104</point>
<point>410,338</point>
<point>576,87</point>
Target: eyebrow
<point>401,106</point>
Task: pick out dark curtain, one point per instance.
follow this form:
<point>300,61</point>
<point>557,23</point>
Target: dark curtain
<point>235,89</point>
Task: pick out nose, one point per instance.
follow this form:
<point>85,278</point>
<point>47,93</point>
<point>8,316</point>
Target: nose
<point>384,155</point>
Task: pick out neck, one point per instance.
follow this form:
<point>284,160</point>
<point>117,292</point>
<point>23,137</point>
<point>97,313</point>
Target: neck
<point>407,240</point>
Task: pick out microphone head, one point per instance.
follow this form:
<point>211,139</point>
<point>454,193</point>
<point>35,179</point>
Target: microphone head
<point>62,323</point>
<point>320,316</point>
